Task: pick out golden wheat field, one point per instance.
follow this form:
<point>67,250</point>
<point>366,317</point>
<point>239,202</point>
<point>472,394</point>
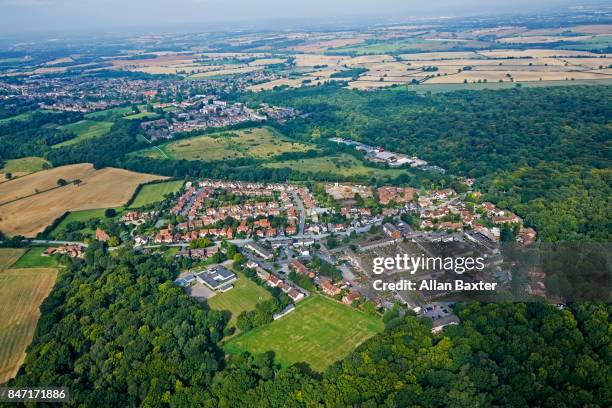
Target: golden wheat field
<point>21,293</point>
<point>24,211</point>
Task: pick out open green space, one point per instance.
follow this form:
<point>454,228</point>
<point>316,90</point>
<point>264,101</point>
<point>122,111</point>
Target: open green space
<point>244,297</point>
<point>342,164</point>
<point>34,258</point>
<point>84,130</point>
<point>320,331</point>
<point>82,216</point>
<point>26,115</point>
<point>263,142</point>
<point>110,114</point>
<point>142,115</point>
<point>152,193</point>
<point>23,166</point>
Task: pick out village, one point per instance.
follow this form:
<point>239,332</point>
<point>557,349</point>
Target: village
<point>304,239</point>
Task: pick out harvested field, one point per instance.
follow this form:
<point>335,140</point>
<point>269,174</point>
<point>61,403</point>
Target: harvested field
<point>21,293</point>
<point>518,76</point>
<point>322,46</point>
<point>223,72</point>
<point>293,83</point>
<point>310,60</point>
<point>593,29</point>
<point>32,211</point>
<point>439,55</point>
<point>536,53</point>
<point>542,39</point>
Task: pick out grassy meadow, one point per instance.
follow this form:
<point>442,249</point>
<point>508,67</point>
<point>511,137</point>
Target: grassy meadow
<point>153,193</point>
<point>263,143</point>
<point>23,166</point>
<point>34,258</point>
<point>342,164</point>
<point>84,130</point>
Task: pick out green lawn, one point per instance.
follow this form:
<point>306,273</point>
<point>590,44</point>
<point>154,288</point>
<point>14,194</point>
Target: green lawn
<point>33,258</point>
<point>84,216</point>
<point>152,193</point>
<point>342,164</point>
<point>84,130</point>
<point>245,295</point>
<point>320,331</point>
<point>263,142</point>
<point>23,166</point>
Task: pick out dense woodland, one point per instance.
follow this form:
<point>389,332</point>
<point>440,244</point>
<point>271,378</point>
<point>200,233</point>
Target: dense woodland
<point>119,333</point>
<point>546,153</point>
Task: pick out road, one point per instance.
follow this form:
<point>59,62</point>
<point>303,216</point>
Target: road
<point>300,205</point>
<point>52,242</point>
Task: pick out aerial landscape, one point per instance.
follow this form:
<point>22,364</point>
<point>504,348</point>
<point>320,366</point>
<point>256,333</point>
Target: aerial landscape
<point>266,204</point>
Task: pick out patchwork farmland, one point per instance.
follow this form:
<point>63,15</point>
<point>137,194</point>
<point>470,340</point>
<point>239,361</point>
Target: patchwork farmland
<point>32,202</point>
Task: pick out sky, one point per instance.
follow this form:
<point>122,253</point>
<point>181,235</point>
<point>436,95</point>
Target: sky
<point>19,16</point>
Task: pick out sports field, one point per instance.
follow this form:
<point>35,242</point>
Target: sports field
<point>152,193</point>
<point>342,164</point>
<point>23,166</point>
<point>320,331</point>
<point>21,293</point>
<point>34,258</point>
<point>32,202</point>
<point>84,130</point>
<point>245,295</point>
<point>261,142</point>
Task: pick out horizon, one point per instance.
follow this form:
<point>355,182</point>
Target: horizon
<point>57,17</point>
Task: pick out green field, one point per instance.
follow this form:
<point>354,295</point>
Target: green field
<point>110,114</point>
<point>24,116</point>
<point>261,143</point>
<point>152,193</point>
<point>142,115</point>
<point>342,164</point>
<point>23,166</point>
<point>320,331</point>
<point>33,258</point>
<point>84,130</point>
<point>245,295</point>
<point>84,216</point>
